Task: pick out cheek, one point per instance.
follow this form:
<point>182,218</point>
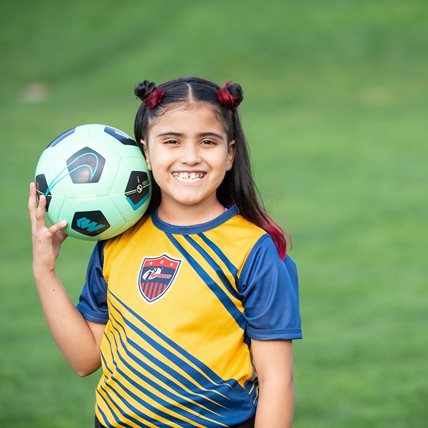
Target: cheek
<point>158,164</point>
<point>155,160</point>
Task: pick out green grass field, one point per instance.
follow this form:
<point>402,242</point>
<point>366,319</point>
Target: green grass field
<point>335,110</point>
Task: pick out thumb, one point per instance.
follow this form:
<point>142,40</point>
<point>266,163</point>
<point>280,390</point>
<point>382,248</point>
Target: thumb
<point>58,227</point>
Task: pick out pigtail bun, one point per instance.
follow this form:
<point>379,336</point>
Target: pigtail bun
<point>237,93</point>
<point>149,93</point>
<point>230,95</point>
<point>143,89</point>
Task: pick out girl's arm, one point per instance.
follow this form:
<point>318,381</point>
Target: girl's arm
<point>273,363</point>
<point>79,340</point>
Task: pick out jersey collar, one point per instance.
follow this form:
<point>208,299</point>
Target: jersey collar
<point>196,228</point>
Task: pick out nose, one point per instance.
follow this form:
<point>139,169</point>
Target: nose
<point>190,154</point>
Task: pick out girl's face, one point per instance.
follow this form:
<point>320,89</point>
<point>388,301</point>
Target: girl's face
<point>188,153</point>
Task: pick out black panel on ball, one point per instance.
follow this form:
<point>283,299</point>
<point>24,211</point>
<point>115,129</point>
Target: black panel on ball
<point>124,139</point>
<point>137,188</point>
<point>42,188</point>
<point>61,137</point>
<point>85,166</point>
<point>90,223</point>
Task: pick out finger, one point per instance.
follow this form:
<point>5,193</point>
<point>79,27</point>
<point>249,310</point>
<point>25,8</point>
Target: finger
<point>33,204</point>
<point>40,211</point>
<point>58,227</point>
<point>32,198</point>
<point>41,204</point>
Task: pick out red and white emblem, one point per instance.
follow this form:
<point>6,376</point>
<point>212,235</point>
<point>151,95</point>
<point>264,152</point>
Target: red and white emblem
<point>156,276</point>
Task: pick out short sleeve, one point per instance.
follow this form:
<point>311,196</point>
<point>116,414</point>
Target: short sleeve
<point>93,299</point>
<point>269,289</point>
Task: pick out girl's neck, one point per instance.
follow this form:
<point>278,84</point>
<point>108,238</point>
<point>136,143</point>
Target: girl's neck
<point>183,215</point>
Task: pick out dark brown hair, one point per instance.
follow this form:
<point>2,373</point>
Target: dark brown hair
<point>238,186</point>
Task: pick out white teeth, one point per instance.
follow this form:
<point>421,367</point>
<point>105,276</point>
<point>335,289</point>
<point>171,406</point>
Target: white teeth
<point>188,176</point>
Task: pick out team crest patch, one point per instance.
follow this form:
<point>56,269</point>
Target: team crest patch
<point>156,276</point>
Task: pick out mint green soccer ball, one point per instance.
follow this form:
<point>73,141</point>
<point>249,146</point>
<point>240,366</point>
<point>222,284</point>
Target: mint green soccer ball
<point>96,178</point>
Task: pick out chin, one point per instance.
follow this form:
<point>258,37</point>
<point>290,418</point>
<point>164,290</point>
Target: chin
<point>189,203</point>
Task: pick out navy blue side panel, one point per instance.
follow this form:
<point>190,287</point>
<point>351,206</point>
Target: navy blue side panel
<point>93,299</point>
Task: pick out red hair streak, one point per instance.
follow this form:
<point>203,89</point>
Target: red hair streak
<point>277,235</point>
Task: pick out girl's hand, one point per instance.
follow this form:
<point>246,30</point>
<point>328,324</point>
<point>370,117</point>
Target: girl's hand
<point>46,241</point>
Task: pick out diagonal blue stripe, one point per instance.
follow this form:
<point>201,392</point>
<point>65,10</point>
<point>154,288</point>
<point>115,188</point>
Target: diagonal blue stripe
<point>215,379</point>
<point>221,295</point>
<point>105,362</point>
<point>165,404</point>
<point>102,414</point>
<point>215,387</point>
<point>120,396</point>
<point>180,378</point>
<point>116,418</point>
<point>214,265</point>
<point>111,350</point>
<point>130,407</point>
<point>232,269</point>
<point>175,421</point>
<point>209,406</point>
<point>157,386</point>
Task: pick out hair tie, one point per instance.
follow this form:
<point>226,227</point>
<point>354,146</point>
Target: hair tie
<point>149,94</point>
<point>226,98</point>
<point>154,98</point>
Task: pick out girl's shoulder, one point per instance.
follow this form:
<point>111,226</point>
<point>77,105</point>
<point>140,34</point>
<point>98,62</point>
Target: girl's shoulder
<point>128,234</point>
<point>241,225</point>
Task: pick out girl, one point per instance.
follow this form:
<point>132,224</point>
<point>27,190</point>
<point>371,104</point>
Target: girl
<point>191,312</point>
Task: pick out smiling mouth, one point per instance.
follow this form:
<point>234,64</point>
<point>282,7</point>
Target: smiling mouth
<point>188,177</point>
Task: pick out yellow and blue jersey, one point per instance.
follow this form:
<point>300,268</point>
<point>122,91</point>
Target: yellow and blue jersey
<point>181,305</point>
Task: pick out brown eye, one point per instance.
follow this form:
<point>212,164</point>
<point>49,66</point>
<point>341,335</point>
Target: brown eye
<point>208,142</point>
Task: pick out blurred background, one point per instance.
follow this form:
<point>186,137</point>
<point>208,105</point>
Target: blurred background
<point>335,111</point>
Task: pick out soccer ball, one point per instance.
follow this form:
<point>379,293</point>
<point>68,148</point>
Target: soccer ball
<point>96,178</point>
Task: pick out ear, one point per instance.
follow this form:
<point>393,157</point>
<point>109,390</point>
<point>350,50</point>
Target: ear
<point>230,155</point>
<point>145,147</point>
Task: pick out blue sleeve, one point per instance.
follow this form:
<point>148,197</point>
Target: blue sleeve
<point>270,292</point>
<point>93,299</point>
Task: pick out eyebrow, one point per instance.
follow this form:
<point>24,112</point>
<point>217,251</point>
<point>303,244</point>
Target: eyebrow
<point>202,134</point>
